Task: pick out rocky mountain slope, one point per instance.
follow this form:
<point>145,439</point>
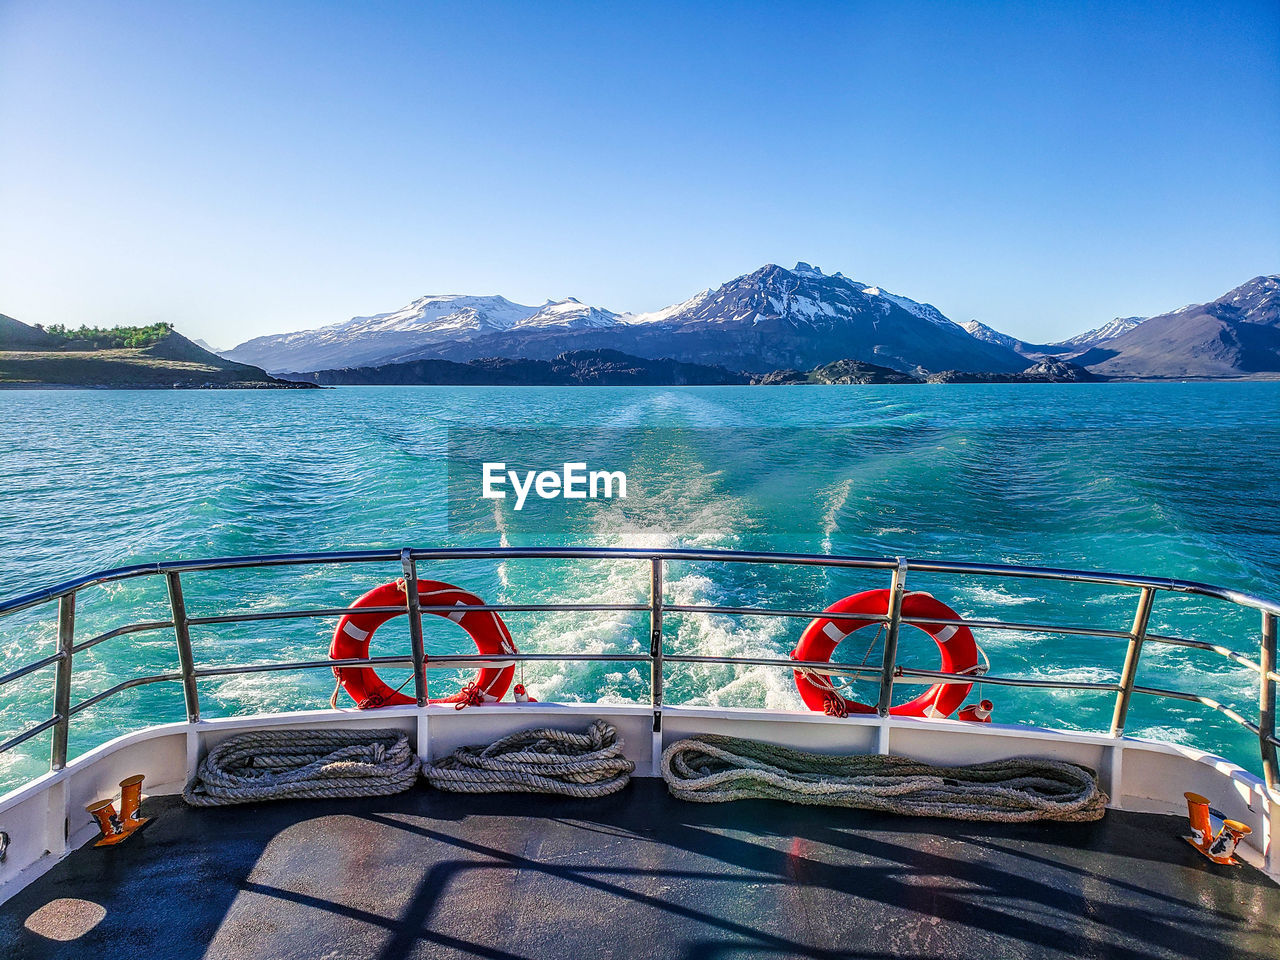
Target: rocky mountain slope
<point>383,337</point>
<point>1236,335</point>
<point>1064,348</point>
<point>1108,331</point>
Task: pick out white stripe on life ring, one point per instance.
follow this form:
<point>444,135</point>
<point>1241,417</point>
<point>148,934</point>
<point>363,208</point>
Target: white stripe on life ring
<point>946,633</point>
<point>355,633</point>
<point>833,632</point>
<point>457,617</point>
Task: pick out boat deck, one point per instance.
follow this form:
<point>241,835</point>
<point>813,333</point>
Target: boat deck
<point>636,875</point>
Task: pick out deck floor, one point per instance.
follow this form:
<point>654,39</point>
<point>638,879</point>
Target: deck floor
<point>633,876</point>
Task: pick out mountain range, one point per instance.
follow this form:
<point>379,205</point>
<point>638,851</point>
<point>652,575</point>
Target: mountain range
<point>1236,335</point>
<point>1075,345</point>
<point>769,319</point>
<point>797,319</point>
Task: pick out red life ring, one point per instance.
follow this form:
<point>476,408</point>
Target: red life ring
<point>822,636</point>
<point>355,630</point>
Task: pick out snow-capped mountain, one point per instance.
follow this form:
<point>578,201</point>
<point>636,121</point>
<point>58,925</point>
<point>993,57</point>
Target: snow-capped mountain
<point>1257,301</point>
<point>568,313</point>
<point>384,336</point>
<point>762,321</point>
<point>1236,335</point>
<point>981,331</point>
<point>1065,348</point>
<point>446,314</point>
<point>666,313</point>
<point>925,311</point>
<point>803,296</point>
<point>1108,331</point>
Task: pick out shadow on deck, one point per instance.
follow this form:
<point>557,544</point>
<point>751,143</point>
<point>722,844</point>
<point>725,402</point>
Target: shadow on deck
<point>636,875</point>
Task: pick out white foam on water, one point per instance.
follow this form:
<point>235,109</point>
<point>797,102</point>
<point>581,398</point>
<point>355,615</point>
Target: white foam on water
<point>582,581</point>
<point>1068,674</point>
<point>261,693</point>
<point>997,596</point>
<point>16,766</point>
<point>720,635</point>
<point>1169,734</point>
<point>681,515</point>
<point>836,499</point>
<point>504,540</point>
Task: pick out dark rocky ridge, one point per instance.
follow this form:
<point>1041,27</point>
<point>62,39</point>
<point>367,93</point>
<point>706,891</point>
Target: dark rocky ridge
<point>1045,371</point>
<point>572,368</point>
<point>612,368</point>
<point>837,372</point>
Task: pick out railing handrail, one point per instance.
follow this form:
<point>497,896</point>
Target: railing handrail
<point>886,671</point>
<point>1100,578</point>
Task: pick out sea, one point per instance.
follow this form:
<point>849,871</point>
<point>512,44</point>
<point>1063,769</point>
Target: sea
<point>1177,480</point>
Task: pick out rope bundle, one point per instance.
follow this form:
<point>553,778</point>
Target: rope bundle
<point>713,769</point>
<point>546,760</point>
<point>292,764</point>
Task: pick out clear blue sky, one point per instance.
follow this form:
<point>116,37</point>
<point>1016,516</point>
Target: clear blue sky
<point>242,169</point>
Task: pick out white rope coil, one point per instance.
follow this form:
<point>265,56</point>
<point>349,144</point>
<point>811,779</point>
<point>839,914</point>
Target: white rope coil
<point>303,764</point>
<point>545,760</point>
<point>713,769</point>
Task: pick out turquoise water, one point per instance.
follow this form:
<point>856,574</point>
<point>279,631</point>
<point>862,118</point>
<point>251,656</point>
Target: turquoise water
<point>1175,480</point>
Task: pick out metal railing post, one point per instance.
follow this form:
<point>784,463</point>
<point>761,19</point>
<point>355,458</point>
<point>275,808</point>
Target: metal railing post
<point>182,633</point>
<point>62,681</point>
<point>1129,675</point>
<point>655,640</point>
<point>896,588</point>
<point>1267,702</point>
<point>413,604</point>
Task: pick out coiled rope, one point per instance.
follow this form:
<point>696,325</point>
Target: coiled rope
<point>545,760</point>
<point>303,764</point>
<point>713,769</point>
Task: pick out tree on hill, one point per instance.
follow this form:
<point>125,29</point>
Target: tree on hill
<point>113,338</point>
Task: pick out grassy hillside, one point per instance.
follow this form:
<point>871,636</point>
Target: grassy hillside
<point>151,357</point>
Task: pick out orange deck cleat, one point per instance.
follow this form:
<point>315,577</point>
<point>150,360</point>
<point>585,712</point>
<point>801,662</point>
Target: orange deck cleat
<point>104,811</point>
<point>1216,838</point>
<point>131,802</point>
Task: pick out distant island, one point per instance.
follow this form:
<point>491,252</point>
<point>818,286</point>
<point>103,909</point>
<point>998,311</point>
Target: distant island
<point>148,358</point>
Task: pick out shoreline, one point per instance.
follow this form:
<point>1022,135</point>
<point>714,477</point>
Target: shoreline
<point>306,386</point>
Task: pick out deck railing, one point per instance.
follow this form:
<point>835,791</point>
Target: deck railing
<point>886,673</point>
